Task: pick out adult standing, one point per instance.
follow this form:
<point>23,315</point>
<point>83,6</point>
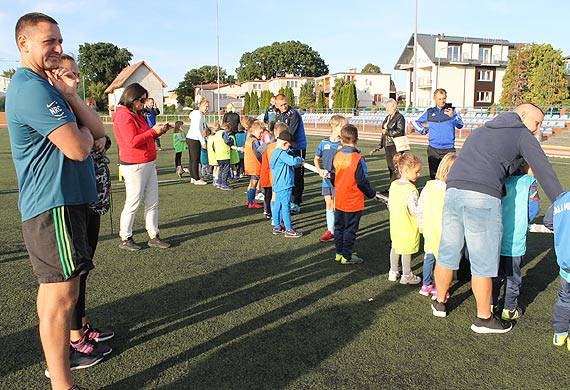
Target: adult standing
<point>269,116</point>
<point>150,113</point>
<point>231,118</point>
<point>394,126</point>
<point>137,155</point>
<point>472,208</point>
<point>195,140</point>
<point>295,126</point>
<point>442,121</point>
<point>51,135</point>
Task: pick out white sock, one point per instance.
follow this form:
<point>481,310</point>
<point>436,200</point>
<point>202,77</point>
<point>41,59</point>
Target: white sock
<point>394,260</point>
<point>406,264</point>
<point>330,220</point>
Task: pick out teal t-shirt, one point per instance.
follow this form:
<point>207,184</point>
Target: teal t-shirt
<point>46,178</point>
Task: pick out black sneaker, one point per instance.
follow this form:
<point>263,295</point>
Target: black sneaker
<point>129,245</point>
<point>491,325</point>
<point>97,335</point>
<point>438,309</point>
<point>78,361</point>
<point>158,243</point>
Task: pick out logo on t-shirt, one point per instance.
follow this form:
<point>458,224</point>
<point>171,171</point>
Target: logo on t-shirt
<point>56,110</point>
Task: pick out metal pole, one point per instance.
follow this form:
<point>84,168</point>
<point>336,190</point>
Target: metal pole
<point>218,43</point>
<point>416,58</point>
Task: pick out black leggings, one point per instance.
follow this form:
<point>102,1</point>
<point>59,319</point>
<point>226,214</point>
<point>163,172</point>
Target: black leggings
<point>178,159</point>
<point>194,150</point>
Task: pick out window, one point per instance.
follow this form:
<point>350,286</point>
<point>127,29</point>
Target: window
<point>256,86</point>
<point>484,96</point>
<point>485,55</point>
<point>567,68</point>
<point>454,53</point>
<point>485,75</point>
<point>292,83</point>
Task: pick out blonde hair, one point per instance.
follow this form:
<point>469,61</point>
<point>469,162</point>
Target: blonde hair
<point>337,120</point>
<point>405,160</point>
<point>444,166</point>
<point>279,128</point>
<point>257,126</point>
<point>247,121</point>
<point>230,107</point>
<point>203,102</point>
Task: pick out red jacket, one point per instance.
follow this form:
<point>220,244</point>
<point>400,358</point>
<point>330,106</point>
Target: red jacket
<point>135,137</point>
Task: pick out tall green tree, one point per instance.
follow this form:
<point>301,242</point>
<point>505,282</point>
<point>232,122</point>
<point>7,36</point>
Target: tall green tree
<point>535,74</point>
<point>101,62</point>
<point>279,59</point>
<point>97,91</point>
<point>265,99</point>
<point>337,92</point>
<point>254,103</point>
<point>307,96</point>
<point>204,75</point>
<point>246,100</point>
<point>349,97</point>
<point>321,100</point>
<point>371,68</point>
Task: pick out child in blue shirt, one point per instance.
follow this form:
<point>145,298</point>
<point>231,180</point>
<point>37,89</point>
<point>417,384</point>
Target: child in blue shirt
<point>282,168</point>
<point>325,153</point>
<point>520,206</point>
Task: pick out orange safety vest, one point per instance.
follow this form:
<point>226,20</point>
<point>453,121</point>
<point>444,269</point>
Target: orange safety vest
<point>265,178</point>
<point>252,165</point>
<point>348,197</point>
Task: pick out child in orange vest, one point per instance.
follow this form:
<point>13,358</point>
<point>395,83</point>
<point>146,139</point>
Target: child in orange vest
<point>350,179</point>
<point>252,162</point>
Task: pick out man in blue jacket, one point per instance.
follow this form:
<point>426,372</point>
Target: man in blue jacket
<point>442,121</point>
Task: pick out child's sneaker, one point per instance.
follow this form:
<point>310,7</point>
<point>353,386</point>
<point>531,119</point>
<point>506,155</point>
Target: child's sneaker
<point>438,309</point>
<point>393,276</point>
<point>410,279</point>
<point>97,335</point>
<point>293,234</point>
<point>353,260</point>
<point>490,325</point>
<point>327,237</point>
<point>510,315</point>
<point>559,339</point>
<point>295,208</point>
<point>225,188</point>
<point>337,257</point>
<point>279,230</point>
<point>254,206</point>
<point>426,289</point>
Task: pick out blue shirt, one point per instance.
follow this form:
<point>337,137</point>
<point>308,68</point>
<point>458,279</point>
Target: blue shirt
<point>326,151</point>
<point>46,178</point>
<point>441,127</point>
<point>281,165</point>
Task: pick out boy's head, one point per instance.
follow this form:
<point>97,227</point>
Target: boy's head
<point>178,126</point>
<point>285,140</point>
<point>279,128</point>
<point>525,168</point>
<point>225,126</point>
<point>349,135</point>
<point>246,122</point>
<point>257,128</point>
<point>336,123</point>
<point>207,132</point>
<point>444,166</point>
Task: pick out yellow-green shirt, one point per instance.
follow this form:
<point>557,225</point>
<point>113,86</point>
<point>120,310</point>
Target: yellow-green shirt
<point>403,225</point>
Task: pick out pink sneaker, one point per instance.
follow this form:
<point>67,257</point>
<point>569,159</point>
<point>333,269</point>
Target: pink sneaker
<point>434,294</point>
<point>426,289</point>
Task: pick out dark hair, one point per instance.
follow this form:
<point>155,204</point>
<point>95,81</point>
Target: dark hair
<point>31,20</point>
<point>349,133</point>
<point>131,94</point>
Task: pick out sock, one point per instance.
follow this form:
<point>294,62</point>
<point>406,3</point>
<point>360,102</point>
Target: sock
<point>251,195</point>
<point>406,264</point>
<point>394,260</point>
<point>330,220</point>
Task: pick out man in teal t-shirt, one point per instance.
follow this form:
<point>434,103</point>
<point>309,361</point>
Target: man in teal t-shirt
<point>51,135</point>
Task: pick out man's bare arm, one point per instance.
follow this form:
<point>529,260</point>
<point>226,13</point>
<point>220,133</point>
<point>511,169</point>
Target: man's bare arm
<point>74,142</point>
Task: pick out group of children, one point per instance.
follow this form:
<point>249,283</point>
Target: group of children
<point>269,164</point>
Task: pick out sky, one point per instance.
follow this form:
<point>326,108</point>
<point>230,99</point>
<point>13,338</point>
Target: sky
<point>176,36</point>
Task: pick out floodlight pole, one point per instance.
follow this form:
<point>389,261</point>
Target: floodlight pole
<point>218,43</point>
<point>415,101</point>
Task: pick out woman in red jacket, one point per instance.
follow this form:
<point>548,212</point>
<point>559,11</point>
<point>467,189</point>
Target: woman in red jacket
<point>137,155</point>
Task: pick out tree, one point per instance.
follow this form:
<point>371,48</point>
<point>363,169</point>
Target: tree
<point>290,57</point>
<point>371,68</point>
<point>265,99</point>
<point>307,96</point>
<point>321,101</point>
<point>97,92</point>
<point>337,93</point>
<point>246,100</point>
<point>9,73</point>
<point>101,62</point>
<point>204,75</point>
<point>254,103</point>
<point>349,99</point>
<point>535,74</point>
<point>2,103</point>
<point>289,94</point>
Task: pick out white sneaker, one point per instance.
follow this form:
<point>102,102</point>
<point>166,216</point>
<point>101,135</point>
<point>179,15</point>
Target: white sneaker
<point>185,170</point>
<point>393,276</point>
<point>199,182</point>
<point>410,279</point>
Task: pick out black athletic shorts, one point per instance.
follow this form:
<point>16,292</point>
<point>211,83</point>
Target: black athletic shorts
<point>57,243</point>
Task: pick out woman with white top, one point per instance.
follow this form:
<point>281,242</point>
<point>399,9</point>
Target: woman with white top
<point>195,140</point>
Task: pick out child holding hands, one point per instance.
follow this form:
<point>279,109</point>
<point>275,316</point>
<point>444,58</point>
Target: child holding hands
<point>404,231</point>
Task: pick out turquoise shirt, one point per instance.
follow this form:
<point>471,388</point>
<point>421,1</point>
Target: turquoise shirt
<point>46,178</point>
<point>516,214</point>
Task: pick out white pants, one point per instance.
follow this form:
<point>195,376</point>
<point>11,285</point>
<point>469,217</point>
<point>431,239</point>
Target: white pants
<point>141,181</point>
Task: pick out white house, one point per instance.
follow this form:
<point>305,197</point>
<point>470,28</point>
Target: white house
<point>228,93</point>
<point>371,88</point>
<point>471,70</point>
<point>4,81</point>
<point>140,73</point>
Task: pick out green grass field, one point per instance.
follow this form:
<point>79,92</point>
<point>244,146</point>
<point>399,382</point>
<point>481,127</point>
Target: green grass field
<point>230,306</point>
